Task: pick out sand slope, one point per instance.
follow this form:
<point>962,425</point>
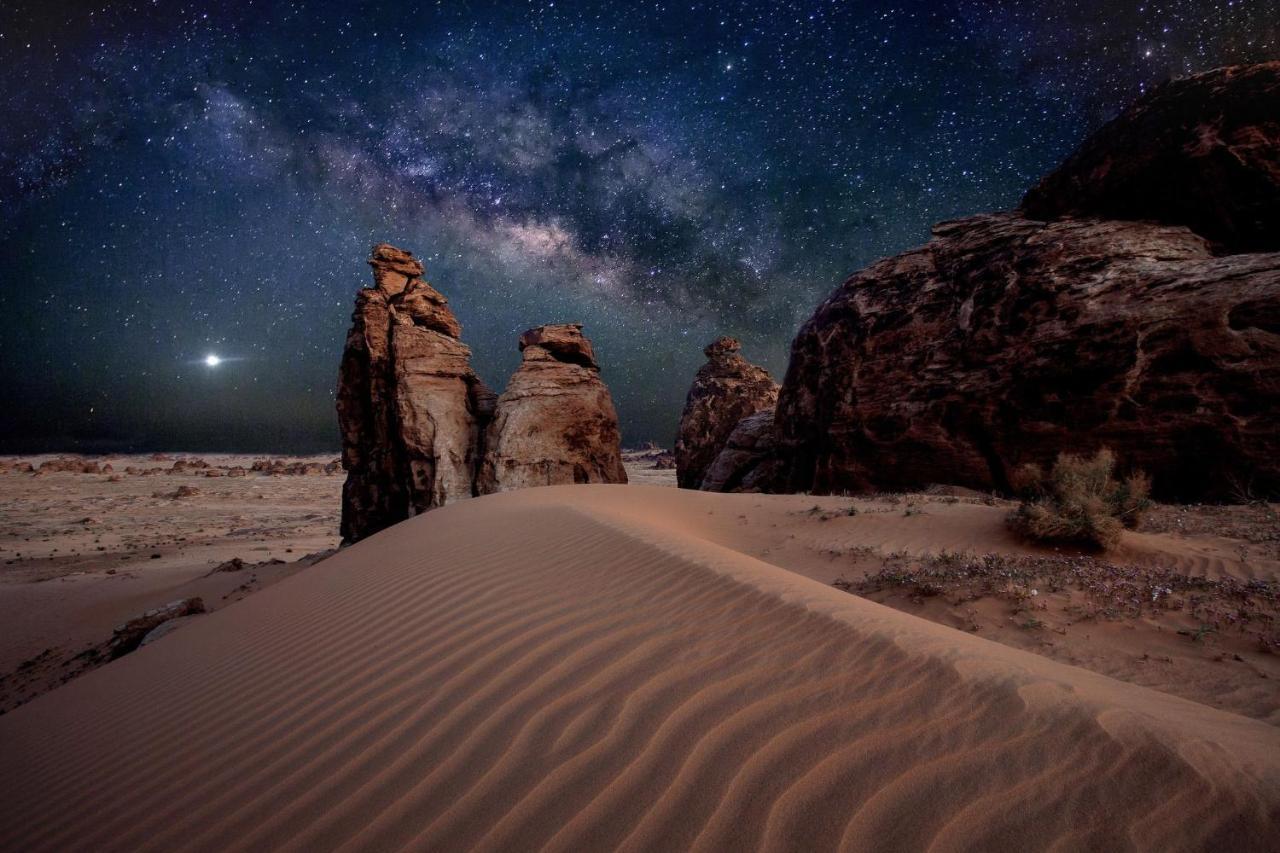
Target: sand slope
<point>571,669</point>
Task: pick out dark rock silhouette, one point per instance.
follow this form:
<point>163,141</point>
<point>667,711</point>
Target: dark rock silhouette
<point>1202,151</point>
<point>1008,339</point>
<point>725,390</point>
<point>555,423</point>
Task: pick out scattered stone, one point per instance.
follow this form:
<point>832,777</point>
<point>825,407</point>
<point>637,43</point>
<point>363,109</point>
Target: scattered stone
<point>178,493</point>
<point>68,465</point>
<point>130,635</point>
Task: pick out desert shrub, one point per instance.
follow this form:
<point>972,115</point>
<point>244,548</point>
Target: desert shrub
<point>1080,501</point>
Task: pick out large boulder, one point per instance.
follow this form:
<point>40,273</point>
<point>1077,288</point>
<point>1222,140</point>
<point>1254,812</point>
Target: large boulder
<point>408,400</point>
<point>555,423</point>
<point>1202,151</point>
<point>1006,341</point>
<point>725,390</point>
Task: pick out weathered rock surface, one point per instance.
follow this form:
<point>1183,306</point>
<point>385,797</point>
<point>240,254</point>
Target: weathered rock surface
<point>749,461</point>
<point>131,634</point>
<point>1202,151</point>
<point>1005,341</point>
<point>725,390</point>
<point>407,400</point>
<point>555,423</point>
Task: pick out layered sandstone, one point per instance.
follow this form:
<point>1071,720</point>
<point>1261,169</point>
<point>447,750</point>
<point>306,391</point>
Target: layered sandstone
<point>555,423</point>
<point>726,389</point>
<point>409,404</point>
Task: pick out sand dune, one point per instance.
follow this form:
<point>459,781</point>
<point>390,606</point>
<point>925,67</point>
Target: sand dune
<point>582,668</point>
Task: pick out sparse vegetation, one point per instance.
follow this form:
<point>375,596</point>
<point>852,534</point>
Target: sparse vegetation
<point>1102,591</point>
<point>1080,501</point>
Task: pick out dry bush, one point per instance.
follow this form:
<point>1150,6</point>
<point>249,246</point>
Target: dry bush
<point>1080,501</point>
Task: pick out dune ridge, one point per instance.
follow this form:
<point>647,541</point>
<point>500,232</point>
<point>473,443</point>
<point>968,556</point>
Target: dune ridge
<point>578,668</point>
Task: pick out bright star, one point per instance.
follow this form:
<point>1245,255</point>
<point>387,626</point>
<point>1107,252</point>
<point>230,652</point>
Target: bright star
<point>212,360</point>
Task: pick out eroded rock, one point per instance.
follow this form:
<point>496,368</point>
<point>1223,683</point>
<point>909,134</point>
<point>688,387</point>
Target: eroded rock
<point>555,423</point>
<point>748,462</point>
<point>131,634</point>
<point>725,390</point>
<point>407,400</point>
<point>1006,341</point>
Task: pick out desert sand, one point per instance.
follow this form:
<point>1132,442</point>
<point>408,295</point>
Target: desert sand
<point>599,667</point>
<point>82,553</point>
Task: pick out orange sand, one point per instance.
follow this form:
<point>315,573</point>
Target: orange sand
<point>586,668</point>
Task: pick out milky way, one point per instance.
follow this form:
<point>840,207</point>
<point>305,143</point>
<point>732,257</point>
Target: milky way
<point>179,179</point>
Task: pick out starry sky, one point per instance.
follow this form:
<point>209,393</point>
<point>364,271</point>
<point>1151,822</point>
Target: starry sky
<point>185,178</point>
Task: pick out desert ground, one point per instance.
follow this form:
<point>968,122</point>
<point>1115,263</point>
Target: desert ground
<point>634,666</point>
<point>83,553</point>
<point>591,667</point>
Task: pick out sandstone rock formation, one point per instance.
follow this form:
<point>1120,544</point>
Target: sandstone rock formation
<point>555,423</point>
<point>1008,339</point>
<point>749,461</point>
<point>725,390</point>
<point>409,404</point>
<point>415,418</point>
<point>1202,151</point>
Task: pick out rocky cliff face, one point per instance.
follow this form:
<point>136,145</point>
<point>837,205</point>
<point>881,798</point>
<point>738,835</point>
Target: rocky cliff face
<point>409,406</point>
<point>1008,338</point>
<point>1202,151</point>
<point>555,423</point>
<point>725,390</point>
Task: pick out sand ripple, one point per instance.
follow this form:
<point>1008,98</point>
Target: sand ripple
<point>542,671</point>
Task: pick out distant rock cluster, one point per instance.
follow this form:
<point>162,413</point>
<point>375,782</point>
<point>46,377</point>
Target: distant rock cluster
<point>419,428</point>
<point>1132,302</point>
<point>192,466</point>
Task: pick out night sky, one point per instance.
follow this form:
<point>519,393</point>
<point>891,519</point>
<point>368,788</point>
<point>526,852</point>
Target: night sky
<point>179,179</point>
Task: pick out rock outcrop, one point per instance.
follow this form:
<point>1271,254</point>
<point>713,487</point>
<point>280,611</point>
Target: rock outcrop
<point>1008,339</point>
<point>749,460</point>
<point>555,423</point>
<point>725,390</point>
<point>410,407</point>
<point>1202,151</point>
<point>415,418</point>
